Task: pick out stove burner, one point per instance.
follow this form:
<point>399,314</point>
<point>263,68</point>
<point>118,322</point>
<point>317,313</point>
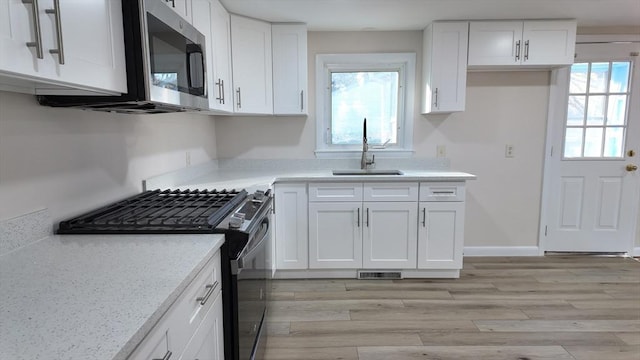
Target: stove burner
<point>157,211</point>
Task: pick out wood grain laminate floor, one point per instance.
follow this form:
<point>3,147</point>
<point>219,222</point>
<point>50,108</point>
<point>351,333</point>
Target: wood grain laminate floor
<point>501,308</point>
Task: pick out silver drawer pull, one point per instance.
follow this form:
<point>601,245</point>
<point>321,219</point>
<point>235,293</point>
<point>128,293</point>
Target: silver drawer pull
<point>167,356</point>
<point>56,12</point>
<point>443,192</point>
<point>211,288</point>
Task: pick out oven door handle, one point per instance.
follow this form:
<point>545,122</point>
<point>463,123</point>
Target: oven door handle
<point>238,264</point>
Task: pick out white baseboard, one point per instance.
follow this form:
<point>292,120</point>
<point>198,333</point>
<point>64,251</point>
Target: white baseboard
<point>501,251</point>
<point>636,251</point>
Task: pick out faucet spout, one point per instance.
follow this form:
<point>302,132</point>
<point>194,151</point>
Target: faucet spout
<point>365,162</point>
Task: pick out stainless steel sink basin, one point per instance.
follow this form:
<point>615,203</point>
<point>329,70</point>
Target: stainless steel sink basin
<point>367,172</point>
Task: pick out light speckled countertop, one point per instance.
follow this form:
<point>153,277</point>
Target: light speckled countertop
<point>263,179</point>
<point>93,297</point>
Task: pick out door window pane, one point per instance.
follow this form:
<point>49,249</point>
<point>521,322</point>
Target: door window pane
<point>573,143</point>
<point>619,77</point>
<point>616,112</point>
<point>593,142</point>
<point>595,112</point>
<point>613,142</point>
<point>599,77</point>
<point>578,82</point>
<point>575,113</point>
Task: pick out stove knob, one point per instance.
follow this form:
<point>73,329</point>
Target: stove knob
<point>236,220</point>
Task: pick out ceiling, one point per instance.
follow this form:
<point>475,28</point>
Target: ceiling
<point>354,15</point>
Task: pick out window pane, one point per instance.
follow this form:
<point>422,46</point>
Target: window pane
<point>616,112</point>
<point>578,83</point>
<point>573,143</point>
<point>619,77</point>
<point>575,113</point>
<point>359,95</point>
<point>613,142</point>
<point>595,110</point>
<point>593,142</point>
<point>599,77</point>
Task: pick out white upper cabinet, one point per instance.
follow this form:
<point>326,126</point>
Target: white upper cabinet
<point>211,19</point>
<point>444,67</point>
<point>181,7</point>
<point>535,43</point>
<point>62,47</point>
<point>252,65</point>
<point>289,44</point>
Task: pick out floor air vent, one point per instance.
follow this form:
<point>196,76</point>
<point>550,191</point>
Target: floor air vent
<point>382,275</point>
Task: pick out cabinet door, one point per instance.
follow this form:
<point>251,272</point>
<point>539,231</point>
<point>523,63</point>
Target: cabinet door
<point>335,235</point>
<point>181,7</point>
<point>549,42</point>
<point>289,44</point>
<point>390,235</point>
<point>252,71</point>
<point>440,235</point>
<point>495,43</point>
<point>445,67</point>
<point>291,236</point>
<point>207,342</point>
<point>222,91</point>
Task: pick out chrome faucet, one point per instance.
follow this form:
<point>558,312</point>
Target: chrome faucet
<point>365,162</point>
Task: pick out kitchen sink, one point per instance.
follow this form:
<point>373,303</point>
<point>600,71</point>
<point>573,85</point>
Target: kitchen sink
<point>367,172</point>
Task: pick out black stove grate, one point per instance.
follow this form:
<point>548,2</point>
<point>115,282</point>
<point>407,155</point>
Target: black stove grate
<point>159,212</point>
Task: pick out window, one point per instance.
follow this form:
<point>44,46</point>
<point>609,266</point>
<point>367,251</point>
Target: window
<point>597,113</point>
<point>352,87</point>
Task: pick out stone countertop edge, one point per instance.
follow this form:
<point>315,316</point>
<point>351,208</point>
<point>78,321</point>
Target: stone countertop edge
<point>62,297</point>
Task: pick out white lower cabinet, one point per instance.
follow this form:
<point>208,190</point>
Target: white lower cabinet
<point>291,234</point>
<point>208,341</point>
<point>335,235</point>
<point>441,227</point>
<point>348,232</point>
<point>195,315</point>
<point>390,236</point>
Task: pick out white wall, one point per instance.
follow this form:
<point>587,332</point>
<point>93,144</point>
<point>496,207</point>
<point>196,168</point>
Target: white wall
<point>502,108</point>
<point>70,160</point>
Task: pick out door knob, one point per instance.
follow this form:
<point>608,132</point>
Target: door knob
<point>632,167</point>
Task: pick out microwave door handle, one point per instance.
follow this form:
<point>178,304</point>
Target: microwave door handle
<point>195,82</point>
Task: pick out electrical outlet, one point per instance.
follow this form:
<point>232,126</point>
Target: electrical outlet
<point>187,158</point>
<point>441,151</point>
<point>508,151</point>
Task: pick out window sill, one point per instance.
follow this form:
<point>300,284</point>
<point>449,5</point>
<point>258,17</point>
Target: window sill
<point>356,154</point>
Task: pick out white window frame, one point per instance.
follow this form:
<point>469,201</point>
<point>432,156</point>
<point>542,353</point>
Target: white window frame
<point>404,63</point>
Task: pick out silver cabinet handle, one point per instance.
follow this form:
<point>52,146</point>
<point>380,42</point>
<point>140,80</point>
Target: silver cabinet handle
<point>518,50</point>
<point>36,25</point>
<point>443,192</point>
<point>424,217</point>
<point>166,356</point>
<point>435,96</point>
<point>60,49</point>
<point>239,99</point>
<point>210,289</point>
<point>367,217</point>
<point>173,2</point>
<point>358,218</point>
<point>220,97</point>
<point>526,50</point>
<point>301,100</point>
<point>222,90</point>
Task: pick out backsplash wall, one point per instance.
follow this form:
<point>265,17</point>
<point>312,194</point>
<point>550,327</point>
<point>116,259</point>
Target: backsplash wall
<point>70,160</point>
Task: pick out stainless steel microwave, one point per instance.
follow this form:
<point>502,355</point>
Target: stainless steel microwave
<point>165,62</point>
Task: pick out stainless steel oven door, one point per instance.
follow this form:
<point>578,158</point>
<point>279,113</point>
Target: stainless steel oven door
<point>252,272</point>
<point>175,63</point>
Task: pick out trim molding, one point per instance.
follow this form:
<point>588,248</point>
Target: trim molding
<point>501,251</point>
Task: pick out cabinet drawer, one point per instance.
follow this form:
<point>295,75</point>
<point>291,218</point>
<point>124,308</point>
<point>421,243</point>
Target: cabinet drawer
<point>392,191</point>
<point>155,346</point>
<point>335,192</point>
<point>446,191</point>
<point>193,304</point>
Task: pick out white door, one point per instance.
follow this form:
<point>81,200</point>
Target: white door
<point>335,235</point>
<point>390,238</point>
<point>440,235</point>
<point>591,185</point>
